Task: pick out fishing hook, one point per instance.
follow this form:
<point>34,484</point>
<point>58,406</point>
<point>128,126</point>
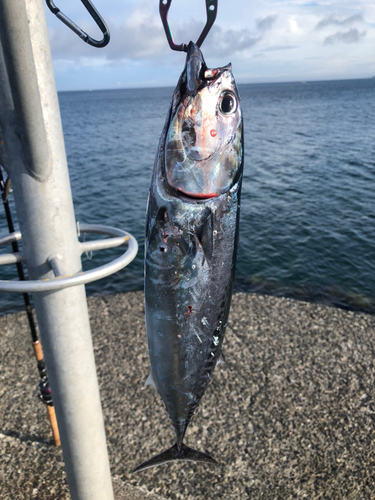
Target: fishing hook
<point>211,9</point>
<point>82,34</point>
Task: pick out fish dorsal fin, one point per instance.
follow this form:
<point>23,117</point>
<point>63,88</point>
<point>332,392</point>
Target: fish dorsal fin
<point>150,381</point>
<point>221,359</point>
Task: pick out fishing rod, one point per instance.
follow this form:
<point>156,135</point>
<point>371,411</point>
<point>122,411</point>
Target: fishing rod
<point>44,388</point>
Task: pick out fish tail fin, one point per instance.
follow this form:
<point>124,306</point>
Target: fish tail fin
<point>173,453</point>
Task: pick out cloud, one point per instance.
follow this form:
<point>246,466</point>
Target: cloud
<point>351,36</point>
<point>332,21</point>
<point>141,38</point>
<point>280,47</point>
<point>265,23</point>
<point>226,42</point>
<point>144,39</point>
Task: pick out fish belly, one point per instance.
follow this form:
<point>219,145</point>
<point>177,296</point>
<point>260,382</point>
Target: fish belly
<point>190,257</point>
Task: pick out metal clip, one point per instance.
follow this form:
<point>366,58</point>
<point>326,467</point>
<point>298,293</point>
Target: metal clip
<point>82,34</point>
<point>211,9</point>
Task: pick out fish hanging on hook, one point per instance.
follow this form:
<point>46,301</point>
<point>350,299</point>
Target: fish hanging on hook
<point>191,242</point>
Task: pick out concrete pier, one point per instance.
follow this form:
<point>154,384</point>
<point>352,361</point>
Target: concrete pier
<point>289,415</point>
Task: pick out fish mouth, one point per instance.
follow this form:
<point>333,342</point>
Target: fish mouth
<point>198,196</point>
<point>198,75</point>
<point>195,69</point>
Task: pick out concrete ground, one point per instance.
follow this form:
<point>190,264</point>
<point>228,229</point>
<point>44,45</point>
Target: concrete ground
<point>289,415</point>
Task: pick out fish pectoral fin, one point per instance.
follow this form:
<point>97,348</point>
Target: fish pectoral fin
<point>150,381</point>
<point>172,454</point>
<point>205,236</point>
<point>220,359</point>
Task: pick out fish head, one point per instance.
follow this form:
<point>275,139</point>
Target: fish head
<point>203,148</point>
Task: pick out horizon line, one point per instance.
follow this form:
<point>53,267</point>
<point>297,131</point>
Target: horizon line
<point>239,84</point>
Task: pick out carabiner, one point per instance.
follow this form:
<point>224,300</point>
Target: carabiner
<point>211,9</point>
<point>82,34</point>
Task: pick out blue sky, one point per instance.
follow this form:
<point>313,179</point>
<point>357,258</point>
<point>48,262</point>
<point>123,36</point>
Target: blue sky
<point>268,41</point>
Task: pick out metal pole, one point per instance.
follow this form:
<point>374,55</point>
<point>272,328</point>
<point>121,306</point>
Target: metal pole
<point>37,163</point>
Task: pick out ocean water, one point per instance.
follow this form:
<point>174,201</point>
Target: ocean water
<point>308,197</point>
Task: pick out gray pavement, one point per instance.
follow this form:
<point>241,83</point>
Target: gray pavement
<point>289,415</point>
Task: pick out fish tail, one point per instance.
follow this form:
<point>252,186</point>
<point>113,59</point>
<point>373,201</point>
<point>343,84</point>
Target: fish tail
<point>173,453</point>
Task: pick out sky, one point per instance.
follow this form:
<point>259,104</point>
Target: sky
<point>267,41</point>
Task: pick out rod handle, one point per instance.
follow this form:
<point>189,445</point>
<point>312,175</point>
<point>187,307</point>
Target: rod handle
<point>38,350</point>
<point>55,429</point>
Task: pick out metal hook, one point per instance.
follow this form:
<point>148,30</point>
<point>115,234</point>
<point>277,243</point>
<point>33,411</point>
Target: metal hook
<point>211,9</point>
<point>82,34</point>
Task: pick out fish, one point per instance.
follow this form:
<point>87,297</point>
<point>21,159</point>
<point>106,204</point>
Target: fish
<point>192,226</point>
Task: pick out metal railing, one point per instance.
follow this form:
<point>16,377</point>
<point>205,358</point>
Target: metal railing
<point>61,279</point>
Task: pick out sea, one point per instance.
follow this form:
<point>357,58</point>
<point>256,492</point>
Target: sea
<point>307,226</point>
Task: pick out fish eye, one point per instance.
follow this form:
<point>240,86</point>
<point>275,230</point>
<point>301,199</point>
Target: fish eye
<point>228,103</point>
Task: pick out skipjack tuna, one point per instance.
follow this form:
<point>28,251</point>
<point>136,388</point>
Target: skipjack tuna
<point>191,242</point>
